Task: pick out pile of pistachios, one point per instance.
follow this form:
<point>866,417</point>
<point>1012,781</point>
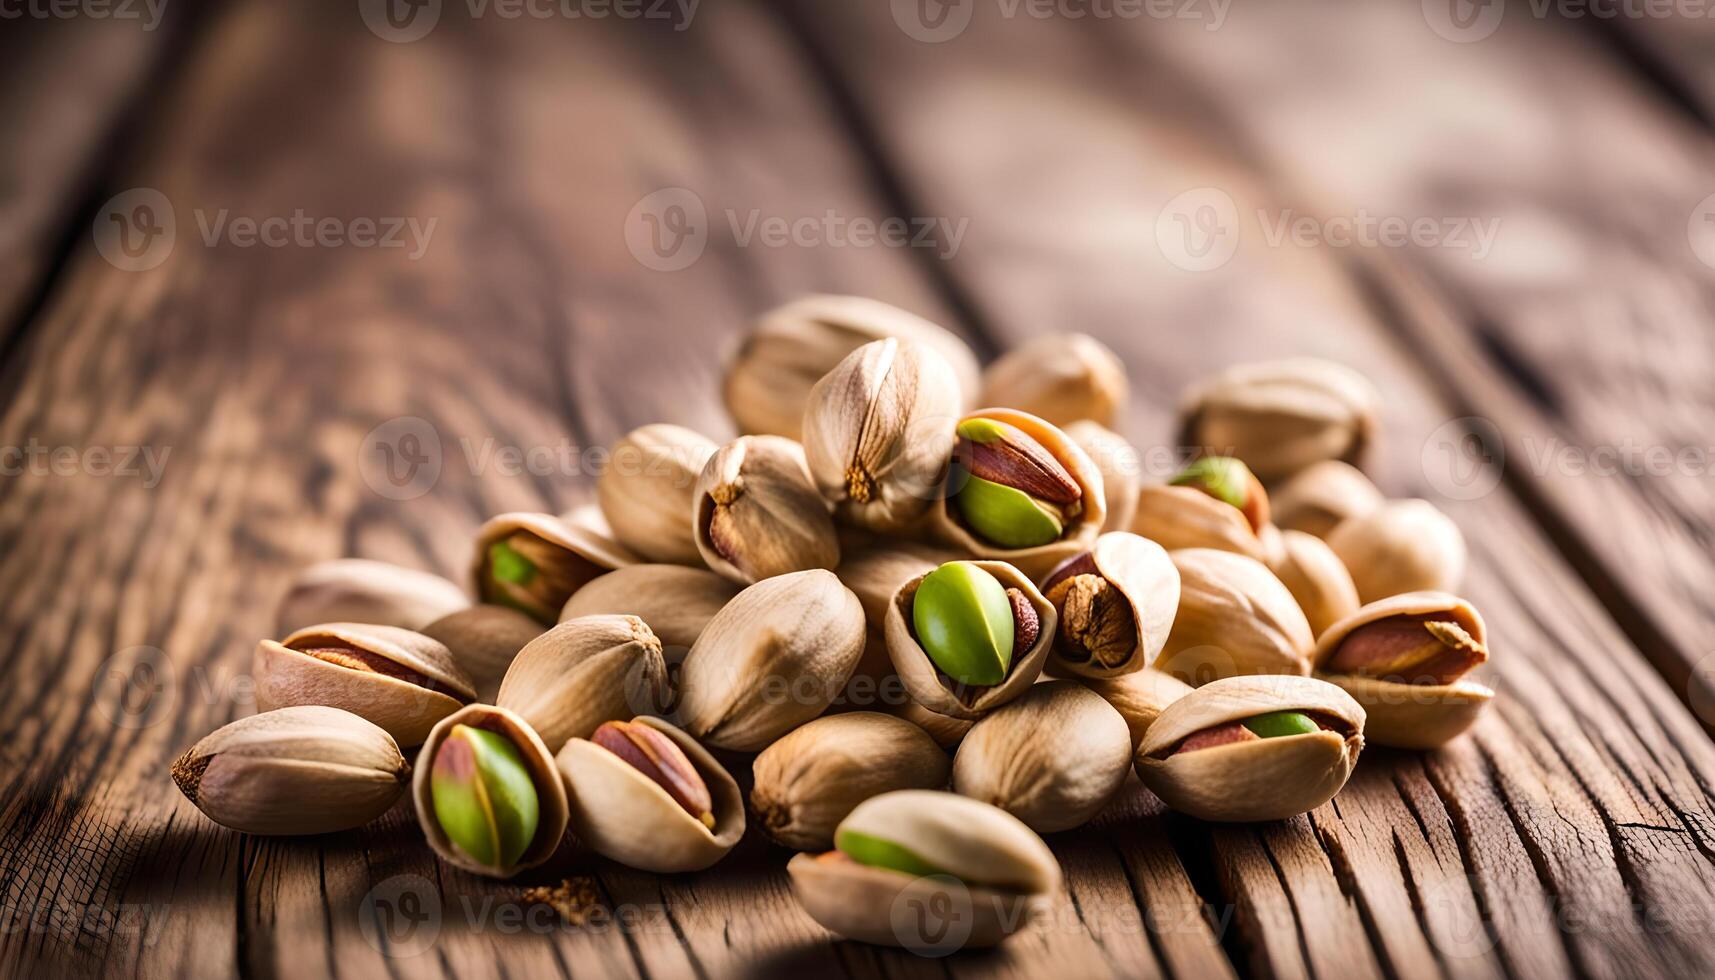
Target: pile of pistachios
<point>931,630</point>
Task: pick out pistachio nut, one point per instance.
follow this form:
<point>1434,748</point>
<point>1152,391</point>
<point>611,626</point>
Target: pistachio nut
<point>757,513</point>
<point>1139,696</point>
<point>768,382</point>
<point>648,489</point>
<point>1214,502</point>
<point>534,562</point>
<point>1401,546</point>
<point>488,797</point>
<point>1405,659</point>
<point>1244,749</point>
<point>583,672</point>
<point>969,636</point>
<point>1319,497</point>
<point>1235,617</point>
<point>1059,377</point>
<point>1120,466</point>
<point>876,572</point>
<point>483,640</point>
<point>1282,416</point>
<point>645,794</point>
<point>301,770</point>
<point>878,432</point>
<point>1053,758</point>
<point>676,602</point>
<point>775,657</point>
<point>403,681</point>
<point>913,849</point>
<point>1316,578</point>
<point>357,590</point>
<point>1116,604</point>
<point>808,781</point>
<point>946,730</point>
<point>1229,480</point>
<point>1021,491</point>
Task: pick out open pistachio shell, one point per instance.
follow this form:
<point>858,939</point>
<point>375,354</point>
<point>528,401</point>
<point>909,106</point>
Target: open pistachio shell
<point>1401,546</point>
<point>1140,598</point>
<point>1139,696</point>
<point>994,871</point>
<point>573,550</point>
<point>1235,617</point>
<point>1316,578</point>
<point>358,590</point>
<point>1080,532</point>
<point>1410,716</point>
<point>1319,497</point>
<point>938,692</point>
<point>1185,517</point>
<point>1260,779</point>
<point>676,602</point>
<point>403,681</point>
<point>1053,758</point>
<point>550,792</point>
<point>757,513</point>
<point>583,672</point>
<point>1120,465</point>
<point>647,490</point>
<point>624,815</point>
<point>483,640</point>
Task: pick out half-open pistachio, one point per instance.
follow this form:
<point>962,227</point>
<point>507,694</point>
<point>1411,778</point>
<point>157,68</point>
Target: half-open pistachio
<point>914,849</point>
<point>302,770</point>
<point>403,681</point>
<point>1405,659</point>
<point>645,794</point>
<point>1059,377</point>
<point>1235,617</point>
<point>759,515</point>
<point>969,636</point>
<point>1316,578</point>
<point>483,640</point>
<point>648,488</point>
<point>1052,758</point>
<point>534,562</point>
<point>1281,416</point>
<point>676,602</point>
<point>1243,749</point>
<point>1319,497</point>
<point>1116,605</point>
<point>1401,546</point>
<point>358,590</point>
<point>583,672</point>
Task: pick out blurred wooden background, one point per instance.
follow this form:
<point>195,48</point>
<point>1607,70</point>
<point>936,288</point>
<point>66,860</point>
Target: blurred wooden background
<point>1067,167</point>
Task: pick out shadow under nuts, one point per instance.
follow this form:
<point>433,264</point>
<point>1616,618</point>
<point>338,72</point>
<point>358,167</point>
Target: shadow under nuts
<point>808,781</point>
<point>968,636</point>
<point>1116,606</point>
<point>648,488</point>
<point>758,515</point>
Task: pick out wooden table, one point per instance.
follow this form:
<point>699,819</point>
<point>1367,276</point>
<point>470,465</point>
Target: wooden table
<point>571,164</point>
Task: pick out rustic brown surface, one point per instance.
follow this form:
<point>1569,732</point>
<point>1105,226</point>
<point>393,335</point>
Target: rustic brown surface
<point>1572,832</point>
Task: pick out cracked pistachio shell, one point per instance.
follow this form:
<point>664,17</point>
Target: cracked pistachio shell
<point>583,672</point>
<point>1005,873</point>
<point>538,762</point>
<point>403,681</point>
<point>534,562</point>
<point>758,514</point>
<point>1410,716</point>
<point>936,691</point>
<point>769,379</point>
<point>1059,377</point>
<point>1316,578</point>
<point>1319,497</point>
<point>1401,546</point>
<point>1185,517</point>
<point>775,657</point>
<point>483,640</point>
<point>1053,758</point>
<point>1120,466</point>
<point>648,488</point>
<point>1080,532</point>
<point>302,770</point>
<point>808,781</point>
<point>1116,607</point>
<point>1264,779</point>
<point>676,602</point>
<point>1235,618</point>
<point>878,432</point>
<point>357,590</point>
<point>624,815</point>
<point>1139,696</point>
<point>1282,416</point>
<point>946,730</point>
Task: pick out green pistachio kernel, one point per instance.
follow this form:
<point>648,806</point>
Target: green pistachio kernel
<point>1006,516</point>
<point>485,801</point>
<point>1222,477</point>
<point>507,565</point>
<point>877,853</point>
<point>964,622</point>
<point>1278,723</point>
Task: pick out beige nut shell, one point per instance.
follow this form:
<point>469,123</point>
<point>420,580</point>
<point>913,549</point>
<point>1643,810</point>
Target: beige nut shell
<point>1144,573</point>
<point>582,533</point>
<point>284,677</point>
<point>1060,377</point>
<point>946,730</point>
<point>1316,578</point>
<point>1319,497</point>
<point>358,590</point>
<point>1185,517</point>
<point>1282,416</point>
<point>1053,758</point>
<point>1411,716</point>
<point>647,490</point>
<point>779,522</point>
<point>1120,465</point>
<point>628,817</point>
<point>1039,561</point>
<point>1139,697</point>
<point>1235,618</point>
<point>484,639</point>
<point>583,672</point>
<point>550,792</point>
<point>856,902</point>
<point>1265,779</point>
<point>1401,546</point>
<point>676,601</point>
<point>935,690</point>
